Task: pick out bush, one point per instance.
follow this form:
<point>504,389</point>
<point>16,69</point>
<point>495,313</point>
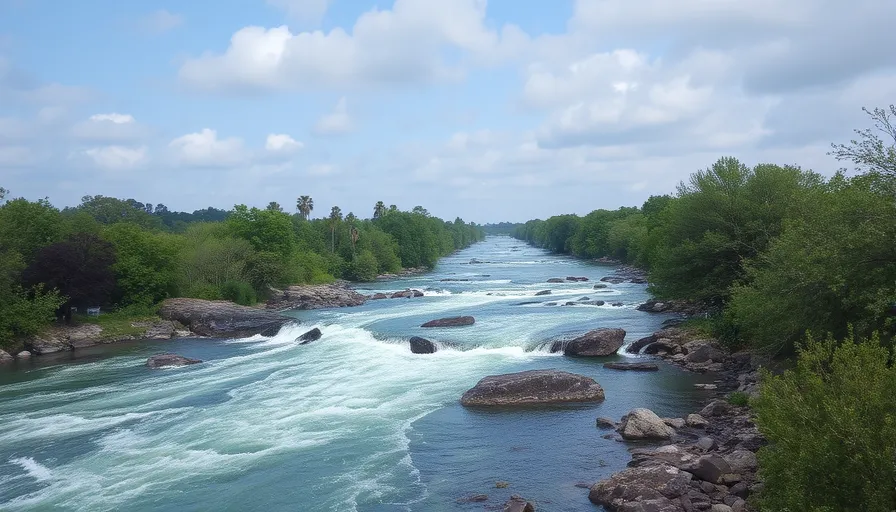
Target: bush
<point>831,427</point>
<point>239,292</point>
<point>364,267</point>
<point>739,398</point>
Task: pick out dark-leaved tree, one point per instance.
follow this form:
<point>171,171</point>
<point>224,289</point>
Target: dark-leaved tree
<point>80,267</point>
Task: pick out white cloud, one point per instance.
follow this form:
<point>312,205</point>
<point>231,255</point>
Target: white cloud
<point>337,122</point>
<point>406,44</point>
<point>117,158</point>
<point>161,21</point>
<point>114,117</point>
<point>282,143</point>
<point>310,11</point>
<point>112,127</point>
<point>204,149</point>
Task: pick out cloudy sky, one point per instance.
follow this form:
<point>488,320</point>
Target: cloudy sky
<point>498,110</point>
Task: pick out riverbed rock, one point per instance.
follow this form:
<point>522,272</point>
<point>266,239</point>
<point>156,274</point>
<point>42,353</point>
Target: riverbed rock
<point>5,357</point>
<point>166,360</point>
<point>636,346</point>
<point>634,367</point>
<point>641,424</point>
<point>555,280</point>
<point>379,296</point>
<point>675,422</point>
<point>643,489</point>
<point>23,354</point>
<point>662,346</point>
<point>577,279</point>
<point>709,468</point>
<point>533,387</point>
<point>613,279</point>
<point>596,343</point>
<point>454,321</point>
<point>716,408</point>
<point>219,318</point>
<point>701,351</point>
<point>407,294</point>
<point>605,423</point>
<point>308,337</point>
<point>601,286</point>
<point>543,292</point>
<point>518,504</point>
<point>696,421</point>
<point>422,345</point>
<point>60,338</point>
<point>316,296</point>
<point>741,461</point>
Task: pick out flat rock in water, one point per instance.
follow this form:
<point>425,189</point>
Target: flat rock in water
<point>634,367</point>
<point>164,360</point>
<point>543,292</point>
<point>455,321</point>
<point>533,387</point>
<point>599,342</point>
<point>555,280</point>
<point>220,318</point>
<point>317,296</point>
<point>308,337</point>
<point>422,345</point>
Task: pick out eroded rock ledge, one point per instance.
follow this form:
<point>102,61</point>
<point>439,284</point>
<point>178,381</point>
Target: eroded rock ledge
<point>320,296</point>
<point>222,319</point>
<point>533,387</point>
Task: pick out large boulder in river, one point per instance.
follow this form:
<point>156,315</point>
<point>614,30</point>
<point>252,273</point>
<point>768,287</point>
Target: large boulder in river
<point>308,337</point>
<point>220,318</point>
<point>317,296</point>
<point>655,488</point>
<point>167,360</point>
<point>642,424</point>
<point>5,357</point>
<point>533,387</point>
<point>422,346</point>
<point>599,342</point>
<point>454,321</point>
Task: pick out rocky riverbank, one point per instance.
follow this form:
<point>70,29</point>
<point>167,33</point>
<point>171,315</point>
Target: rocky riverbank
<point>707,460</point>
<point>321,296</point>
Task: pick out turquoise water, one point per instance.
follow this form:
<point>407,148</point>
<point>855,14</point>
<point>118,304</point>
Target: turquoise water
<point>353,421</point>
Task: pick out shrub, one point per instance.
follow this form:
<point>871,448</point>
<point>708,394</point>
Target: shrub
<point>364,267</point>
<point>239,292</point>
<point>739,398</point>
<point>831,427</point>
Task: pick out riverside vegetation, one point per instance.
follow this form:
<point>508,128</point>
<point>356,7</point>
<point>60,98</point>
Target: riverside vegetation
<point>776,257</point>
<point>128,256</point>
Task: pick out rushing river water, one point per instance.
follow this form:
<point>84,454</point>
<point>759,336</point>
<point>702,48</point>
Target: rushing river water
<point>353,421</point>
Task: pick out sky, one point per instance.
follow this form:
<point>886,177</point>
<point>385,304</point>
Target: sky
<point>504,110</point>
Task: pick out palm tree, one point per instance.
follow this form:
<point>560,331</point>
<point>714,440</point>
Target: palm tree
<point>274,206</point>
<point>305,205</point>
<point>335,218</point>
<point>379,210</point>
<point>393,208</point>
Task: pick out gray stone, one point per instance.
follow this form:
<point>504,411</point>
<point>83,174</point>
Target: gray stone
<point>455,321</point>
<point>696,421</point>
<point>23,354</point>
<point>308,337</point>
<point>166,360</point>
<point>422,345</point>
<point>716,408</point>
<point>674,422</point>
<point>635,367</point>
<point>5,357</point>
<point>644,424</point>
<point>596,343</point>
<point>518,504</point>
<point>533,387</point>
<point>605,423</point>
<point>543,292</point>
<point>709,468</point>
<point>742,461</point>
<point>718,507</point>
<point>316,296</point>
<point>219,318</point>
<point>707,444</point>
<point>647,488</point>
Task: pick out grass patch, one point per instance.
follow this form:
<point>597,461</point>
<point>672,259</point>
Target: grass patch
<point>118,324</point>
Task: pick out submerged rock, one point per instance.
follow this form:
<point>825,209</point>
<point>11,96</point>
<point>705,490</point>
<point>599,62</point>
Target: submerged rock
<point>543,292</point>
<point>164,360</point>
<point>308,337</point>
<point>422,345</point>
<point>642,424</point>
<point>407,294</point>
<point>599,342</point>
<point>220,318</point>
<point>555,280</point>
<point>454,321</point>
<point>635,367</point>
<point>600,286</point>
<point>533,387</point>
<point>518,504</point>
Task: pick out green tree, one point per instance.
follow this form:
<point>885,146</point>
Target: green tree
<point>872,154</point>
<point>23,312</point>
<point>334,220</point>
<point>364,266</point>
<point>26,226</point>
<point>379,209</point>
<point>146,264</point>
<point>831,427</point>
<point>274,206</point>
<point>304,204</point>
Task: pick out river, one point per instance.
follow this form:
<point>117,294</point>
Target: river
<point>351,422</point>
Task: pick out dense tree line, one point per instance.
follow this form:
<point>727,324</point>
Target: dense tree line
<point>126,255</point>
<point>771,251</point>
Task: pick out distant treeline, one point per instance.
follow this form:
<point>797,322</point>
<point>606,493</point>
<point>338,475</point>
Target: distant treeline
<point>772,251</point>
<point>501,228</point>
<point>129,256</point>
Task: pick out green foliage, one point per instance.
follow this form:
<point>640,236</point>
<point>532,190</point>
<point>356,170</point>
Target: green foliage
<point>239,292</point>
<point>364,267</point>
<point>739,398</point>
<point>146,266</point>
<point>831,427</point>
<point>26,226</point>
